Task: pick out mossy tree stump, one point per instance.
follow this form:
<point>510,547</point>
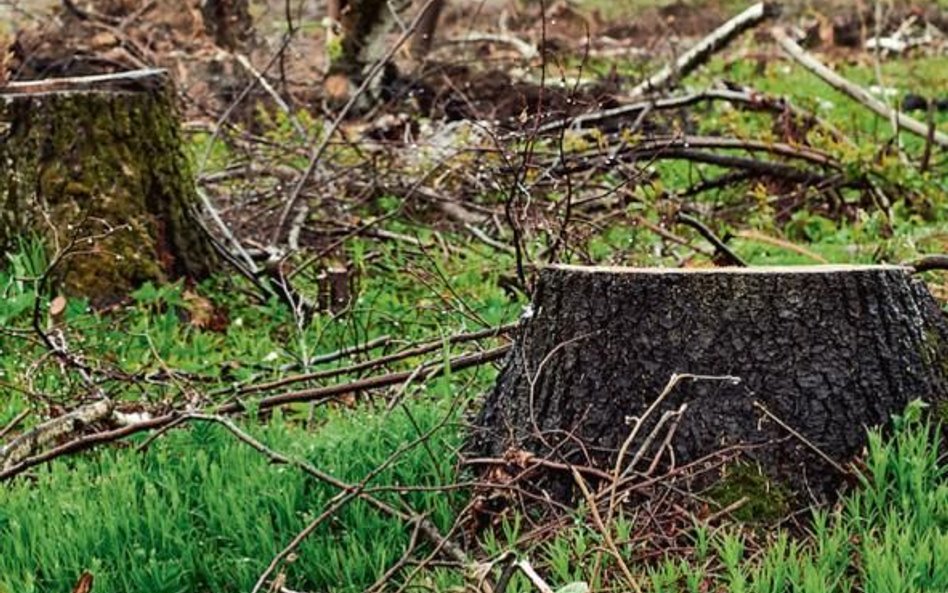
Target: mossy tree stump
<point>821,353</point>
<point>96,165</point>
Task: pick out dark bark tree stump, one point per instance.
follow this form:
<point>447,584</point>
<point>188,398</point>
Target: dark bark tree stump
<point>97,163</point>
<point>823,352</point>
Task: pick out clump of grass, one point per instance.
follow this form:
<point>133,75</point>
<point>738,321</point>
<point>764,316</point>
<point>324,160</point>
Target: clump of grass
<point>198,510</point>
<point>891,534</point>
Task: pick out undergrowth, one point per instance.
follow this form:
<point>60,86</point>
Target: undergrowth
<point>197,510</point>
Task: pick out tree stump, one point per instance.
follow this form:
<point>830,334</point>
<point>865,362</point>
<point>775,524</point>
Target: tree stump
<point>821,353</point>
<point>95,166</point>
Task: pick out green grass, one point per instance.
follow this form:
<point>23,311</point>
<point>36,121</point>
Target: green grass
<point>889,535</point>
<point>199,510</point>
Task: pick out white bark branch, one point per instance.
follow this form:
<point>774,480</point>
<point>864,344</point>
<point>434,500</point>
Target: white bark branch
<point>854,91</point>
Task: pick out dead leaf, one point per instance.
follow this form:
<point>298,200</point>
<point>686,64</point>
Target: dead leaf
<point>57,306</point>
<point>84,584</point>
<point>200,310</point>
<point>518,457</point>
<point>103,40</point>
<point>347,400</point>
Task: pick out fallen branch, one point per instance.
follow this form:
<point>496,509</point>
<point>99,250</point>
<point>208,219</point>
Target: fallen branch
<point>731,257</point>
<point>685,148</point>
<point>119,81</point>
<point>752,235</point>
<point>418,350</point>
<point>750,99</point>
<point>855,92</point>
<point>928,263</point>
<point>83,443</point>
<point>37,437</point>
<point>660,146</point>
<point>87,442</point>
<point>526,50</point>
<point>324,393</point>
<point>704,49</point>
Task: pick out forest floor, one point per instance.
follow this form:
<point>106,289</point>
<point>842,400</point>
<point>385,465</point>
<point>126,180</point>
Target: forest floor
<point>408,252</point>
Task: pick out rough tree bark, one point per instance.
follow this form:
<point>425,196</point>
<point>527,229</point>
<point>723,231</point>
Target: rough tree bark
<point>97,163</point>
<point>826,350</point>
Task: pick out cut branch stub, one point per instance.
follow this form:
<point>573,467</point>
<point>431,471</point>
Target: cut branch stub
<point>821,353</point>
<point>95,166</point>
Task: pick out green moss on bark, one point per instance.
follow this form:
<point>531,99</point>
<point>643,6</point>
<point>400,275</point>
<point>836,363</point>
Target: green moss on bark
<point>766,501</point>
<point>106,173</point>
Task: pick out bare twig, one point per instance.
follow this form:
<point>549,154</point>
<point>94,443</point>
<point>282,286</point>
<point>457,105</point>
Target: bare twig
<point>929,139</point>
<point>418,350</point>
<point>606,531</point>
<point>527,569</point>
<point>526,50</point>
<point>809,444</point>
<point>219,124</point>
<point>320,394</point>
<point>752,235</point>
<point>12,424</point>
<point>330,131</point>
<point>541,462</point>
<point>265,85</point>
<point>928,263</point>
<point>132,79</point>
<point>751,99</point>
<point>375,382</point>
<point>732,258</point>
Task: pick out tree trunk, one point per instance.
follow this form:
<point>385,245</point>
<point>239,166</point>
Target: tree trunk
<point>95,167</point>
<point>821,353</point>
<point>364,25</point>
<point>427,27</point>
<point>228,22</point>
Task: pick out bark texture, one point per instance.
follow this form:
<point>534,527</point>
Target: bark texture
<point>828,350</point>
<point>97,163</point>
